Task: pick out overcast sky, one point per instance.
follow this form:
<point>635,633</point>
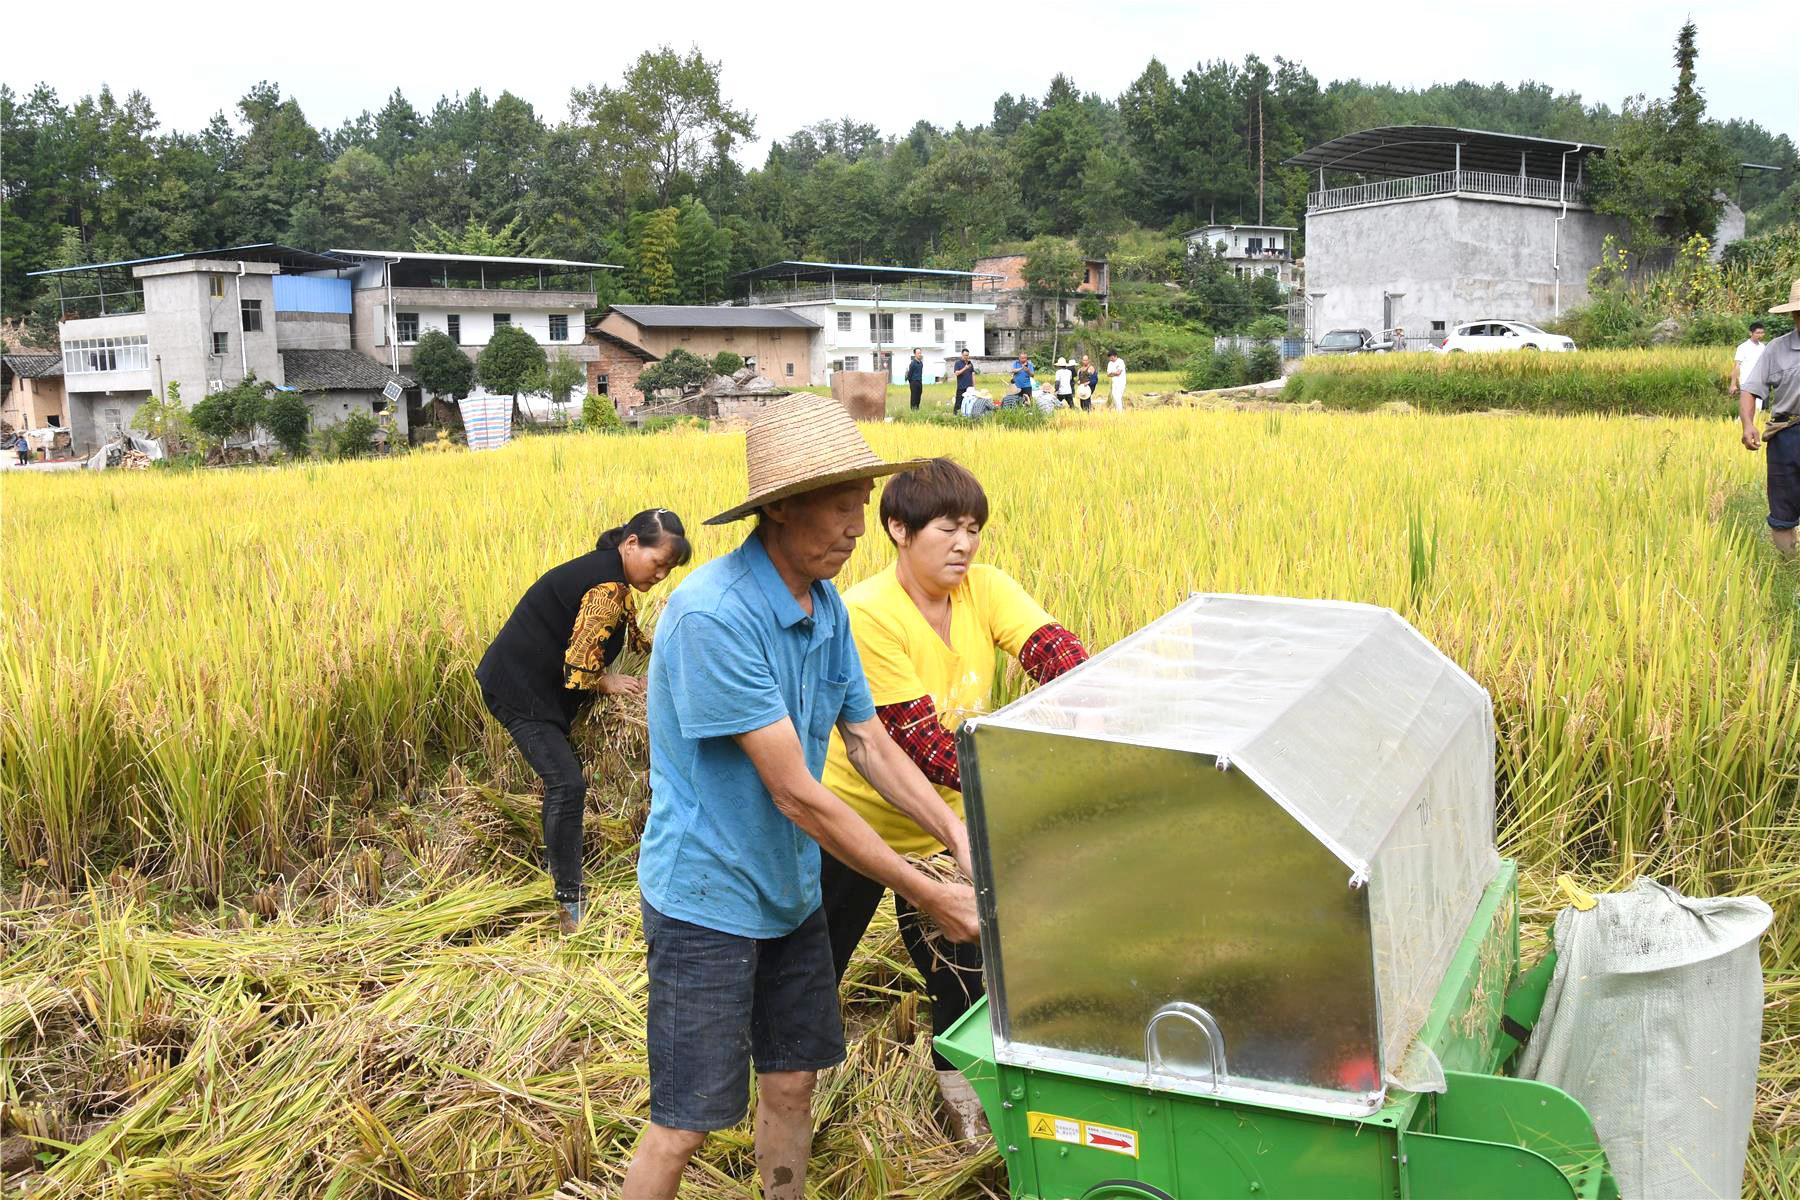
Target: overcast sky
<point>890,64</point>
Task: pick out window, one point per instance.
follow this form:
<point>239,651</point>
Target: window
<point>86,355</point>
<point>406,327</point>
<point>851,363</point>
<point>1437,327</point>
<point>790,370</point>
<point>881,329</point>
<point>1089,276</point>
<point>216,285</point>
<point>559,327</point>
<point>501,321</point>
<point>453,326</point>
<point>938,330</point>
<point>601,383</point>
<point>221,343</point>
<point>250,311</point>
<point>916,323</point>
<point>962,347</point>
<point>959,318</point>
<point>843,322</point>
<point>1254,245</point>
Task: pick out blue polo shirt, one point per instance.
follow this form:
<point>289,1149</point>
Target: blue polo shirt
<point>1022,378</point>
<point>735,652</point>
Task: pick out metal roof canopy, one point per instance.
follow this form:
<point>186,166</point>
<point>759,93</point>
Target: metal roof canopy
<point>1394,151</point>
<point>269,252</point>
<point>706,316</point>
<point>413,268</point>
<point>854,272</point>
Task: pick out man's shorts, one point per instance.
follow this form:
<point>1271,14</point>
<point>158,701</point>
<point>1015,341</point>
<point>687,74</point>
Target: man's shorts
<point>1783,452</point>
<point>719,1002</point>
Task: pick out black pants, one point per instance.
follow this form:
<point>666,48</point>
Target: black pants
<point>918,389</point>
<point>547,751</point>
<point>850,901</point>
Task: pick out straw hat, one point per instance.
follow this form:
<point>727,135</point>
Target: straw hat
<point>1793,304</point>
<point>802,443</point>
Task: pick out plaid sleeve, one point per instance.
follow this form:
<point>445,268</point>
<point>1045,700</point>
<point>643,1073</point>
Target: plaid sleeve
<point>1051,651</point>
<point>915,727</point>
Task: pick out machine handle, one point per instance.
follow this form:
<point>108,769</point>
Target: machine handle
<point>1196,1016</point>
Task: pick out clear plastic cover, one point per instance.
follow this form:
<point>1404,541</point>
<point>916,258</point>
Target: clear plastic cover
<point>1378,745</point>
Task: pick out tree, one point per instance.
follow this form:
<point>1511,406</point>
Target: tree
<point>1053,266</point>
<point>234,412</point>
<point>473,238</point>
<point>655,122</point>
<point>727,362</point>
<point>678,369</point>
<point>564,378</point>
<point>511,362</point>
<point>165,418</point>
<point>1666,170</point>
<point>286,417</point>
<point>702,255</point>
<point>654,238</point>
<point>441,367</point>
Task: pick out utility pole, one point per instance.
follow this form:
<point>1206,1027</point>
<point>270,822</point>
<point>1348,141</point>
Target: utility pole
<point>1259,157</point>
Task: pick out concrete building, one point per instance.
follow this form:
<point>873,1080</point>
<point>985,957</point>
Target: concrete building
<point>202,321</point>
<point>780,341</point>
<point>1250,250</point>
<point>398,295</point>
<point>871,317</point>
<point>31,392</point>
<point>1425,227</point>
<point>1021,316</point>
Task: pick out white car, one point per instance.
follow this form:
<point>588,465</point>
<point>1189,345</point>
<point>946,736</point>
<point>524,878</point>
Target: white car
<point>1502,335</point>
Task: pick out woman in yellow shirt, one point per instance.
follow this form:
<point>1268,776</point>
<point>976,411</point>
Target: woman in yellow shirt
<point>927,629</point>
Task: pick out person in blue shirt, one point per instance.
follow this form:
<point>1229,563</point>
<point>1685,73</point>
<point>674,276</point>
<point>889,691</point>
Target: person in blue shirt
<point>754,666</point>
<point>1024,380</point>
<point>915,377</point>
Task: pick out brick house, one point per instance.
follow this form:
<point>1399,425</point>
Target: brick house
<point>613,371</point>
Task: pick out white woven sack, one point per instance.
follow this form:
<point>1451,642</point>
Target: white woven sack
<point>1653,1021</point>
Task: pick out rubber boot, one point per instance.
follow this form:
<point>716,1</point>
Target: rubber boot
<point>568,917</point>
<point>967,1121</point>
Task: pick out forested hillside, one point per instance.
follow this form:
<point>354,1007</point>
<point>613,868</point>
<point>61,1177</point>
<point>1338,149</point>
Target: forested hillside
<point>645,171</point>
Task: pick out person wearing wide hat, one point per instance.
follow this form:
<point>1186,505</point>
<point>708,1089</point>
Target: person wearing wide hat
<point>1775,379</point>
<point>754,667</point>
<point>1065,383</point>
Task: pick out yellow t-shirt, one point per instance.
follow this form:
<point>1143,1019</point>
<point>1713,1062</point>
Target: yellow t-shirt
<point>904,658</point>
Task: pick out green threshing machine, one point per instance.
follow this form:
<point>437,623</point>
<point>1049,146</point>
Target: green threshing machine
<point>1245,928</point>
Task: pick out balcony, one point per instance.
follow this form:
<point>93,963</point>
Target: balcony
<point>898,293</point>
<point>1445,183</point>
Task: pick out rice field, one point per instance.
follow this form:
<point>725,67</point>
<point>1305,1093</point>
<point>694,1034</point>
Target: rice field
<point>1666,381</point>
<point>270,924</point>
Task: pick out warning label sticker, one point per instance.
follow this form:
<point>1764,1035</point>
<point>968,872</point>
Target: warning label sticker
<point>1108,1137</point>
<point>1075,1132</point>
<point>1054,1128</point>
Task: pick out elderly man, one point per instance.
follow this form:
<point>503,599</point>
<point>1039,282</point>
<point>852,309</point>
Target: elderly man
<point>1775,378</point>
<point>754,666</point>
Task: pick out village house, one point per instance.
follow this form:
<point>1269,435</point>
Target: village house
<point>777,341</point>
<point>31,395</point>
<point>870,318</point>
<point>204,320</point>
<point>613,373</point>
<point>1425,227</point>
<point>1249,250</point>
<point>1020,314</point>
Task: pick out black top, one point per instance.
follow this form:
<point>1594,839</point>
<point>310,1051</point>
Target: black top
<point>915,371</point>
<point>523,667</point>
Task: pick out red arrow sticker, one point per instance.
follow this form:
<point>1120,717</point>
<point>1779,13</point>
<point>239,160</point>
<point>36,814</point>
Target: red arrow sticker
<point>1106,1137</point>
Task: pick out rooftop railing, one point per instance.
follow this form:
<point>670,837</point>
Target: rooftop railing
<point>887,293</point>
<point>1443,183</point>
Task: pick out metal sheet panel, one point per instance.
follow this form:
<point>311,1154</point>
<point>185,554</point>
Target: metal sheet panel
<point>1122,880</point>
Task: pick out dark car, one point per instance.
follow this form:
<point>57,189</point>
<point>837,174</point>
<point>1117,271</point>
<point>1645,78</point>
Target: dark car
<point>1344,341</point>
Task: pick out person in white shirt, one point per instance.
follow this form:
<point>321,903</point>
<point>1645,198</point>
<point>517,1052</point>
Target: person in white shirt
<point>1065,382</point>
<point>1748,351</point>
<point>1115,371</point>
